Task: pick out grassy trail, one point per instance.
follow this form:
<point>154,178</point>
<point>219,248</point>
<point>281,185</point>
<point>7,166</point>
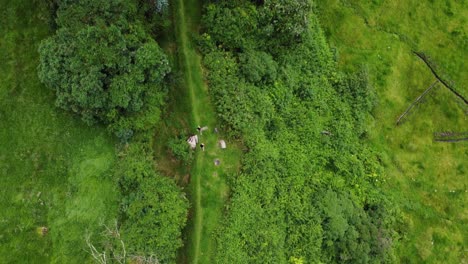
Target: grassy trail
<point>208,187</point>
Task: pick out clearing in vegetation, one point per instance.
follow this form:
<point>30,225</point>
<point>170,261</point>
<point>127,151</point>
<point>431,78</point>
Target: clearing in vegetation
<point>208,188</point>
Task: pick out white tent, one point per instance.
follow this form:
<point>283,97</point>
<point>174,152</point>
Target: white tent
<point>222,144</point>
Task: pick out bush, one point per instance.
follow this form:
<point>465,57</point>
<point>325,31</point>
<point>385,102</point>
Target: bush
<point>257,67</point>
<point>153,208</point>
<point>180,149</point>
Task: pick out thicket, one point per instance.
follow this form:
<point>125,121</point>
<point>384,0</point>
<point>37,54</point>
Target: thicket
<point>106,67</point>
<point>153,210</point>
<point>309,190</point>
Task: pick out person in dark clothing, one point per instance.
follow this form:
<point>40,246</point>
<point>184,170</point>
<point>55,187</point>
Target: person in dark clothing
<point>202,146</point>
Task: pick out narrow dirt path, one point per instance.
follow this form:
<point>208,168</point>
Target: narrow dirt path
<point>208,187</point>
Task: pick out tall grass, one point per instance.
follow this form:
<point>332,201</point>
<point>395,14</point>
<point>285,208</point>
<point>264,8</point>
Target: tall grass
<point>428,178</point>
<point>54,170</point>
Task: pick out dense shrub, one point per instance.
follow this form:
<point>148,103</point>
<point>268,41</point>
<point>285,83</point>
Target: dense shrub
<point>308,191</point>
<point>257,67</point>
<point>178,147</point>
<point>153,208</point>
<point>231,26</point>
<point>285,21</point>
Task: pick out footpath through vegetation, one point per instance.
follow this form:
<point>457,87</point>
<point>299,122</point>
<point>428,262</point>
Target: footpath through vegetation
<point>208,188</point>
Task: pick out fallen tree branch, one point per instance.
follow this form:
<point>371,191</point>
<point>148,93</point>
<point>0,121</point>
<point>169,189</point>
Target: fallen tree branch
<point>424,58</point>
<point>415,102</point>
<point>450,140</point>
<point>97,256</point>
<point>449,136</point>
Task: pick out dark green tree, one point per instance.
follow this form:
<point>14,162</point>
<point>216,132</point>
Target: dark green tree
<point>286,20</point>
<point>103,67</point>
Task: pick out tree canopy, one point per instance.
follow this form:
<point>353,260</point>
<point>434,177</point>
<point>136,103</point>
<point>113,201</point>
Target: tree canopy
<point>105,67</point>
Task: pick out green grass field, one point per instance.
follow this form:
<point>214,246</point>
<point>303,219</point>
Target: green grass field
<point>55,170</point>
<point>428,179</point>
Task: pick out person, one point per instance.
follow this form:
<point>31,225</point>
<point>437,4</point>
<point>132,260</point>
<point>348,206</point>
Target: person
<point>199,129</point>
<point>202,146</point>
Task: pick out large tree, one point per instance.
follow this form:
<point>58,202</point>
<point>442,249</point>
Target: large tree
<point>105,69</point>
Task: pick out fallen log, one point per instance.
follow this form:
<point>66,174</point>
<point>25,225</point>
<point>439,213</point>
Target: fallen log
<point>415,102</point>
<point>424,58</point>
<point>450,140</point>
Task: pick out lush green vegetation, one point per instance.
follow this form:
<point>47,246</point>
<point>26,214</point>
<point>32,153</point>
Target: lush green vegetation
<point>104,66</point>
<point>429,178</point>
<point>325,176</point>
<point>153,210</point>
<point>73,193</point>
<point>56,172</point>
<point>310,186</point>
<point>208,188</point>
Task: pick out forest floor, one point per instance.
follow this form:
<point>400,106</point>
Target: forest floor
<point>429,179</point>
<point>208,190</point>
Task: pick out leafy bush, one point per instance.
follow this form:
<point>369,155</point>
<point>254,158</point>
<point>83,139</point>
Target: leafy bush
<point>286,21</point>
<point>230,25</point>
<point>257,67</point>
<point>180,149</point>
<point>153,209</point>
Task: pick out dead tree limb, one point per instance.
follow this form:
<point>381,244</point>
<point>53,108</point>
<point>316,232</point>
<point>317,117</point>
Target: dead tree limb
<point>99,257</point>
<point>115,255</point>
<point>450,136</point>
<point>424,58</point>
<point>450,140</point>
<point>151,259</point>
<point>415,102</point>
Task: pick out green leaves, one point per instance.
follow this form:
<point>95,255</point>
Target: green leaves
<point>305,184</point>
<point>104,67</point>
<point>257,67</point>
<point>155,217</point>
<point>289,19</point>
<point>153,208</point>
<point>231,27</point>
